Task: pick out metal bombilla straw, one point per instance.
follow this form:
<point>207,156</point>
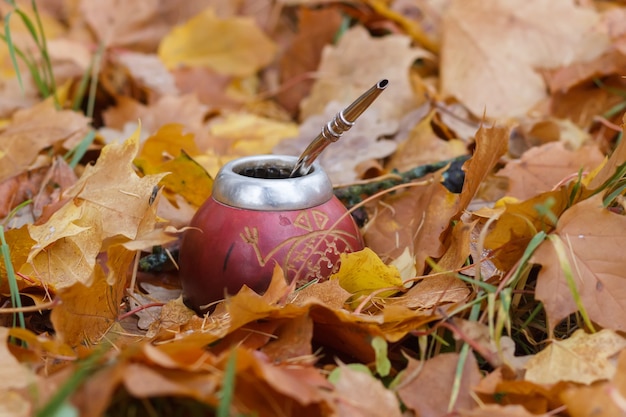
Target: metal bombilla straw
<point>333,130</point>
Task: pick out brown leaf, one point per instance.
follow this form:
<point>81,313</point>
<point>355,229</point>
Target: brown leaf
<point>433,291</point>
<point>519,222</point>
<point>35,129</point>
<point>592,239</point>
<point>316,28</point>
<point>87,313</point>
<point>423,146</point>
<point>542,168</point>
<point>480,67</point>
<point>356,63</point>
<point>13,374</point>
<point>491,145</point>
<point>361,395</point>
<point>113,188</point>
<point>426,387</point>
<point>139,25</point>
<point>414,218</point>
<point>186,110</point>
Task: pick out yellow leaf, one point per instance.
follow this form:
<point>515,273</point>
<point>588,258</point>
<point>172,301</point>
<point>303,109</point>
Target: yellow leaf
<point>117,192</point>
<point>583,358</point>
<point>363,272</point>
<point>234,46</point>
<point>253,135</point>
<point>186,176</point>
<point>168,141</point>
<point>66,248</point>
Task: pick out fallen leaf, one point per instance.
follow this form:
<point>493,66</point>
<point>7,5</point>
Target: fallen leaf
<point>433,291</point>
<point>65,247</point>
<point>113,188</point>
<point>184,109</point>
<point>34,129</point>
<point>248,134</point>
<point>583,358</point>
<point>316,28</point>
<point>592,238</point>
<point>86,313</point>
<point>360,394</point>
<point>415,218</point>
<point>362,273</point>
<point>480,68</point>
<point>604,399</point>
<point>423,146</point>
<point>138,25</point>
<point>492,410</point>
<point>14,375</point>
<point>356,63</point>
<point>491,145</point>
<point>426,387</point>
<point>238,46</point>
<point>166,144</point>
<point>170,151</point>
<point>542,168</point>
<point>520,222</point>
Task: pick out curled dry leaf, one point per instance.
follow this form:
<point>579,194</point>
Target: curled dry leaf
<point>415,218</point>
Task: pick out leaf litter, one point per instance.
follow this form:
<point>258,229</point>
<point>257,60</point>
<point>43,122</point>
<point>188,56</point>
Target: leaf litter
<point>502,296</point>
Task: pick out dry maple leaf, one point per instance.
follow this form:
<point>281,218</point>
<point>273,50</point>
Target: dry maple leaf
<point>491,50</point>
<point>592,240</point>
<point>116,191</point>
<point>355,64</point>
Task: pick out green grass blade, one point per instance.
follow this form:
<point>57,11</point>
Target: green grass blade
<point>58,404</point>
<point>43,48</point>
<point>79,150</point>
<point>15,292</point>
<point>383,364</point>
<point>11,46</point>
<point>530,249</point>
<point>613,195</point>
<point>29,26</point>
<point>93,86</point>
<point>228,386</point>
